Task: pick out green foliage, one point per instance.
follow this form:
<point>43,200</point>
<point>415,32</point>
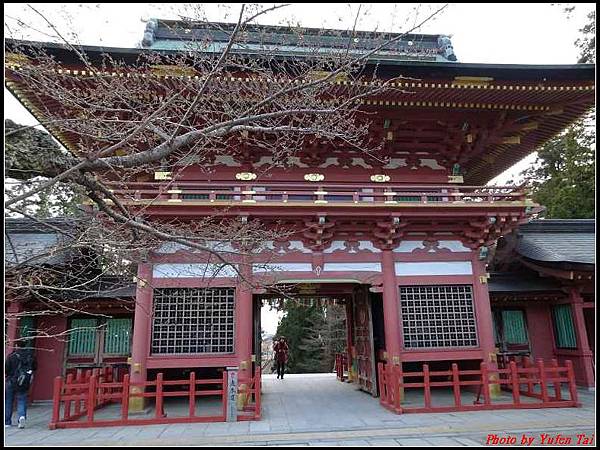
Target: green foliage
<point>563,177</point>
<point>587,42</point>
<point>314,334</point>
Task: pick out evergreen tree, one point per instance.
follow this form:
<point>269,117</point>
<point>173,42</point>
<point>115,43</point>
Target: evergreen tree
<point>563,177</point>
<point>296,321</point>
<point>314,333</point>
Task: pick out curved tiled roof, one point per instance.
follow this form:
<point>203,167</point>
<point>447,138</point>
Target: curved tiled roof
<point>570,241</point>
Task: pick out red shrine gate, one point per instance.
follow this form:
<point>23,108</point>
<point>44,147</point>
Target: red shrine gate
<point>402,222</point>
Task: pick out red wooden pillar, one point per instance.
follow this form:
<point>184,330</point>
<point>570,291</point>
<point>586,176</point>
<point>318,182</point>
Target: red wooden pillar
<point>244,320</point>
<point>585,374</point>
<point>485,323</point>
<point>13,326</point>
<point>391,308</point>
<point>140,346</point>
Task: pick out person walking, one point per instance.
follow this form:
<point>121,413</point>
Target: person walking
<point>18,374</point>
<point>281,350</point>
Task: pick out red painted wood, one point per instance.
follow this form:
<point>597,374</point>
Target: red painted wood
<point>391,307</point>
<point>456,384</point>
<point>543,382</point>
<point>485,387</point>
<point>426,386</point>
<point>192,399</point>
<point>125,398</point>
<point>515,382</point>
<point>572,385</point>
<point>159,396</point>
<point>91,399</point>
<point>140,345</point>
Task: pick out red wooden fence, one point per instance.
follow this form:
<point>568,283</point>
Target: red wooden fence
<point>392,381</point>
<point>341,366</point>
<point>81,396</point>
<point>251,397</point>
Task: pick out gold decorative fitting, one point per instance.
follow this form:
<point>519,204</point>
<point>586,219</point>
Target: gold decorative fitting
<point>245,176</point>
<point>321,202</point>
<point>175,200</point>
<point>511,140</point>
<point>248,192</point>
<point>175,191</point>
<point>455,179</point>
<point>389,193</point>
<point>163,175</point>
<point>389,136</point>
<point>314,177</point>
<point>380,178</point>
<point>171,69</point>
<point>248,201</point>
<point>15,59</point>
<point>483,279</point>
<point>320,74</point>
<point>320,193</point>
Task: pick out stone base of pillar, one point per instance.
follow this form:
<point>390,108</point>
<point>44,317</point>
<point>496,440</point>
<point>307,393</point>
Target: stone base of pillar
<point>242,397</point>
<point>137,405</point>
<point>495,390</point>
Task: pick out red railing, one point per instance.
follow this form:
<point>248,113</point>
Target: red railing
<point>392,384</point>
<point>80,397</point>
<point>251,396</point>
<point>365,194</point>
<point>341,366</point>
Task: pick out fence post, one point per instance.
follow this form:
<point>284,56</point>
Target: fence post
<point>67,414</point>
<point>543,385</point>
<point>485,387</point>
<point>426,387</point>
<point>557,384</point>
<point>91,399</point>
<point>192,393</point>
<point>257,387</point>
<point>382,390</point>
<point>572,385</point>
<point>514,374</point>
<point>125,398</point>
<point>456,384</point>
<point>224,394</point>
<point>78,391</point>
<point>56,403</point>
<point>159,396</point>
<point>527,365</point>
<point>397,386</point>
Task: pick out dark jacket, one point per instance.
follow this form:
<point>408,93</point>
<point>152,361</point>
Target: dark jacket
<point>281,350</point>
<point>19,357</point>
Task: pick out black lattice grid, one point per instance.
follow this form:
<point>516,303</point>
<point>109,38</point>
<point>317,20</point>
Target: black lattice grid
<point>438,316</point>
<point>193,320</point>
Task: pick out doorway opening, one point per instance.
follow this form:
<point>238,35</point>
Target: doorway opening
<point>322,321</point>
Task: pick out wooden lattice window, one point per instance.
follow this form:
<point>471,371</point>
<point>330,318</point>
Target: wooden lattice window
<point>564,331</point>
<point>117,336</point>
<point>26,327</point>
<point>193,320</point>
<point>438,316</point>
<point>513,326</point>
<point>82,337</point>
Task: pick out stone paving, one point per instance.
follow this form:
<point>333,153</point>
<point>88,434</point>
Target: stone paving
<point>316,409</point>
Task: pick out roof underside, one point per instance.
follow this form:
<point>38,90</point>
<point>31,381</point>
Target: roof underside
<point>534,102</point>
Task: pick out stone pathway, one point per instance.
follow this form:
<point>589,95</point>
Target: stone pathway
<point>316,409</point>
